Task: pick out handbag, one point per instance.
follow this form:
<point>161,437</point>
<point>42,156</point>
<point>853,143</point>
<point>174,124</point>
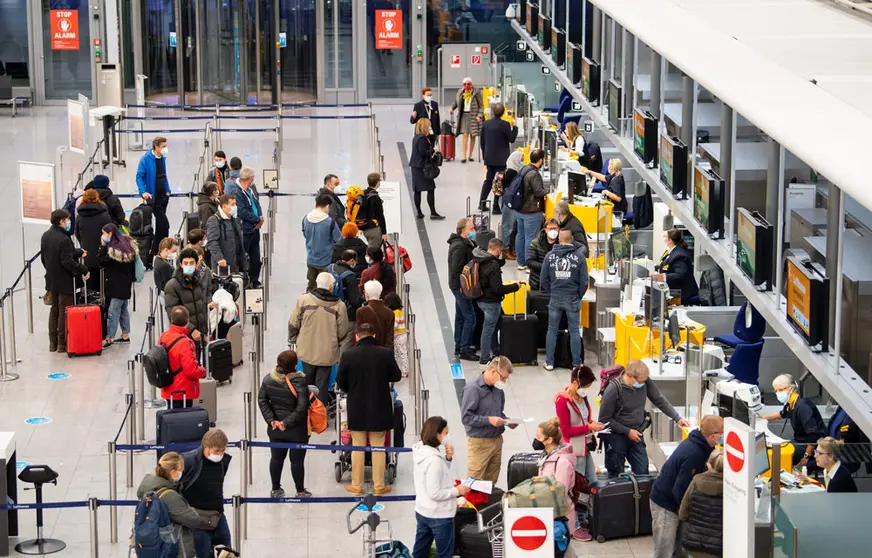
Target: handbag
<point>48,298</point>
<point>139,269</point>
<point>390,254</point>
<point>497,184</point>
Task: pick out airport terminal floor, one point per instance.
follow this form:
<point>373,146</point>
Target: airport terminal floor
<point>86,406</point>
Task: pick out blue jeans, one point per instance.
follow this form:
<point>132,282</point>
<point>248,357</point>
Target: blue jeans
<point>618,448</point>
<point>117,312</point>
<point>464,323</point>
<point>205,540</point>
<point>529,225</point>
<point>428,529</point>
<point>506,225</point>
<point>556,309</point>
<point>493,316</point>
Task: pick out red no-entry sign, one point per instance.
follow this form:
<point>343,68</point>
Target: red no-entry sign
<point>735,452</point>
<point>529,533</point>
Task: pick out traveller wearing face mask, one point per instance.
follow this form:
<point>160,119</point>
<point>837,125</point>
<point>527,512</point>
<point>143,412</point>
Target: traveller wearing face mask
<point>558,461</point>
<point>539,248</point>
<point>63,266</point>
<point>565,279</point>
<point>207,202</point>
<point>435,493</point>
<point>687,461</point>
<point>117,256</point>
<point>623,410</point>
<point>805,419</point>
<point>481,411</point>
<point>203,487</point>
<point>186,288</point>
<point>224,237</point>
<point>165,263</point>
<point>461,243</point>
<point>154,188</point>
<point>576,420</point>
<point>184,517</point>
<point>220,172</point>
<point>378,270</point>
<point>468,99</point>
<point>427,108</point>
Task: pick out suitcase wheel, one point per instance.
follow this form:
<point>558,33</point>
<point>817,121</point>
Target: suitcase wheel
<point>390,473</point>
<point>600,539</point>
<point>337,471</point>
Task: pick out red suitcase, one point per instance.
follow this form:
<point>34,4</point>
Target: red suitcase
<point>447,146</point>
<point>84,328</point>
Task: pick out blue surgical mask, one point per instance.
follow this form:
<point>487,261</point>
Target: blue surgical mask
<point>368,260</point>
<point>188,269</point>
<point>234,211</point>
<point>471,235</point>
<point>106,240</point>
<point>67,226</point>
<point>720,441</point>
<point>782,397</point>
<point>638,385</point>
<point>428,98</point>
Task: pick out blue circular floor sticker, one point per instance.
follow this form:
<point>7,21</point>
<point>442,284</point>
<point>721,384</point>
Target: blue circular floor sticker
<point>58,376</point>
<point>38,420</point>
<point>376,508</point>
<point>21,465</point>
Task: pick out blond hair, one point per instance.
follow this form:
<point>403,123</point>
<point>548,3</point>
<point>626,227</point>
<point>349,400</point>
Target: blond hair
<point>832,447</point>
<point>716,460</point>
<point>636,368</point>
<point>571,130</point>
<point>422,126</point>
<point>169,462</point>
<point>551,429</point>
<point>617,164</point>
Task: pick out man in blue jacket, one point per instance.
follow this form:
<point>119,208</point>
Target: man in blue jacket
<point>154,187</point>
<point>250,215</point>
<point>321,233</point>
<point>687,461</point>
<point>564,277</point>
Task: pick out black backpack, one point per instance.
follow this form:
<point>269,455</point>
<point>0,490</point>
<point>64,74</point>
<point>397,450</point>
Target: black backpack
<point>141,221</point>
<point>156,363</point>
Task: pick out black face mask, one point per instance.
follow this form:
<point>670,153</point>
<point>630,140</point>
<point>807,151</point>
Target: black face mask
<point>538,445</point>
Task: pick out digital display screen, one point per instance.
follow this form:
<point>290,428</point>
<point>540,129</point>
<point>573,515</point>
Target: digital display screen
<point>746,247</point>
<point>638,134</point>
<point>615,106</point>
<point>666,161</point>
<point>798,297</point>
<point>585,78</point>
<point>701,197</point>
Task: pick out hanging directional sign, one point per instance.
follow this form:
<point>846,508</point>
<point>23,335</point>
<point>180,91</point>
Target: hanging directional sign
<point>557,86</point>
<point>576,105</point>
<point>546,71</point>
<point>522,45</point>
<point>530,56</point>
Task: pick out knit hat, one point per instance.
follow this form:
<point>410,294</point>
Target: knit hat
<point>101,181</point>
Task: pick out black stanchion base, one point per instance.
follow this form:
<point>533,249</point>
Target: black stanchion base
<point>40,546</point>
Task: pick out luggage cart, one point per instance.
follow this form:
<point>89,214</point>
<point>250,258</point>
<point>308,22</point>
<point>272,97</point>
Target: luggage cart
<point>371,546</point>
<point>343,438</point>
<point>494,528</point>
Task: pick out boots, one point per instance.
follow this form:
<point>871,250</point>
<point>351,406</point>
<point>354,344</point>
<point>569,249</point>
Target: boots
<point>509,254</point>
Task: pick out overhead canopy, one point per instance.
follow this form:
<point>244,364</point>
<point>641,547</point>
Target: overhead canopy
<point>705,41</point>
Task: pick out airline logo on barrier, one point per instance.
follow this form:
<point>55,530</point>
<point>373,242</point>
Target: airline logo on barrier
<point>388,29</point>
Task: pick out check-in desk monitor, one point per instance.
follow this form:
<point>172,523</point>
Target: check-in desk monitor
<point>754,247</point>
<point>590,80</point>
<point>808,301</point>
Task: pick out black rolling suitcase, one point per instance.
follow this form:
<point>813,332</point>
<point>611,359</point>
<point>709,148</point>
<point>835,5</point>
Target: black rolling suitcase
<point>479,325</point>
<point>481,220</point>
<point>621,507</point>
<point>468,517</point>
<point>537,304</point>
<point>180,426</point>
<point>474,544</point>
<point>522,466</point>
<point>563,351</point>
<point>399,425</point>
<point>220,355</point>
<point>518,339</point>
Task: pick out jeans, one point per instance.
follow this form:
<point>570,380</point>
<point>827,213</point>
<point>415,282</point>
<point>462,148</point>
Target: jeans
<point>529,225</point>
<point>161,223</point>
<point>664,527</point>
<point>318,376</point>
<point>618,448</point>
<point>441,529</point>
<point>251,244</point>
<point>506,225</point>
<point>556,309</point>
<point>117,312</point>
<point>204,541</point>
<point>57,318</point>
<point>298,467</point>
<point>587,467</point>
<point>493,316</point>
<point>464,323</point>
<point>487,185</point>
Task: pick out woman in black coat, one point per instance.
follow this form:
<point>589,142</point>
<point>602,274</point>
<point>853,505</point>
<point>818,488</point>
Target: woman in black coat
<point>91,215</point>
<point>117,254</point>
<point>287,418</point>
<point>113,203</point>
<point>422,151</point>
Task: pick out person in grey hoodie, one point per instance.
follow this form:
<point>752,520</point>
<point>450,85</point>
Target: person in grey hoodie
<point>623,409</point>
<point>435,493</point>
<point>564,276</point>
<point>321,233</point>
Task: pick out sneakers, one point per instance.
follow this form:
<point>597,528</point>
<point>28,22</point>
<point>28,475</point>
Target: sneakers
<point>278,493</point>
<point>384,490</point>
<point>304,494</point>
<point>523,268</point>
<point>437,217</point>
<point>124,339</point>
<point>469,356</point>
<point>352,490</point>
<point>581,535</point>
<point>549,367</point>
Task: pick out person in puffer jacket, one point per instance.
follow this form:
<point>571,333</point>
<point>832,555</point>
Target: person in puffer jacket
<point>702,510</point>
<point>558,461</point>
<point>435,493</point>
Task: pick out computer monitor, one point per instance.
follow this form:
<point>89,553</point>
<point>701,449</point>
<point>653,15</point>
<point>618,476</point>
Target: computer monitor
<point>754,246</point>
<point>761,455</point>
<point>674,329</point>
<point>577,185</point>
<point>615,105</point>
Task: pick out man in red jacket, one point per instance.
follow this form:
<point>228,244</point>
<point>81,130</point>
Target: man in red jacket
<point>182,355</point>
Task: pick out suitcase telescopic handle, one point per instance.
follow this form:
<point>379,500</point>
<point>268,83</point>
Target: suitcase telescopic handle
<point>184,395</point>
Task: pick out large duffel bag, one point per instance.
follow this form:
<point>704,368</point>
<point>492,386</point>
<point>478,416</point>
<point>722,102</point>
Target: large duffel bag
<point>539,492</point>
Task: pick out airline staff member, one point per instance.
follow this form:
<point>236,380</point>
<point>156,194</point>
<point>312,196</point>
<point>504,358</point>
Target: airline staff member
<point>427,108</point>
<point>808,425</point>
<point>616,189</point>
<point>676,267</point>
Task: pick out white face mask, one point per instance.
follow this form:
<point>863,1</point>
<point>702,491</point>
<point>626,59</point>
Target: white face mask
<point>582,392</point>
<point>552,234</point>
<point>214,458</point>
<point>500,385</point>
<point>234,211</point>
<point>178,478</point>
<point>164,151</point>
<point>428,98</point>
<point>219,163</point>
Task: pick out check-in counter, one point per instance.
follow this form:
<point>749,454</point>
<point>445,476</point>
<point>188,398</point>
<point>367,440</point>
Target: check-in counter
<point>638,342</point>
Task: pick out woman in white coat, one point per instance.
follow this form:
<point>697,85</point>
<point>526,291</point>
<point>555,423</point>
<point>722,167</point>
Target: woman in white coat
<point>435,493</point>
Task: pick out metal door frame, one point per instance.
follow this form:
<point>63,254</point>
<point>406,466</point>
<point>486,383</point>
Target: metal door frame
<point>36,55</point>
<point>358,10</point>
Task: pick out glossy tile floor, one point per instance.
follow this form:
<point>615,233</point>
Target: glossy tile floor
<point>87,409</point>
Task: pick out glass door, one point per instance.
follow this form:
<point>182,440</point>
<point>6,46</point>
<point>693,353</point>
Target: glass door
<point>67,67</point>
<point>388,46</point>
<point>339,53</point>
<point>224,29</point>
<point>159,48</point>
<point>299,64</point>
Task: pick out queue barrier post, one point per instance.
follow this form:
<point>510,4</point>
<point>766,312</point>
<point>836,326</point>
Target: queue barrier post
<point>140,409</point>
<point>248,428</point>
<point>246,480</point>
<point>259,332</point>
<point>185,223</point>
<point>419,385</point>
<point>28,287</point>
<point>425,405</point>
<point>10,296</point>
<point>113,493</point>
<point>236,502</point>
<point>255,379</point>
<point>131,438</point>
<point>265,271</point>
<point>191,209</point>
<point>406,309</point>
<point>398,261</point>
<point>93,506</point>
<point>5,375</point>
